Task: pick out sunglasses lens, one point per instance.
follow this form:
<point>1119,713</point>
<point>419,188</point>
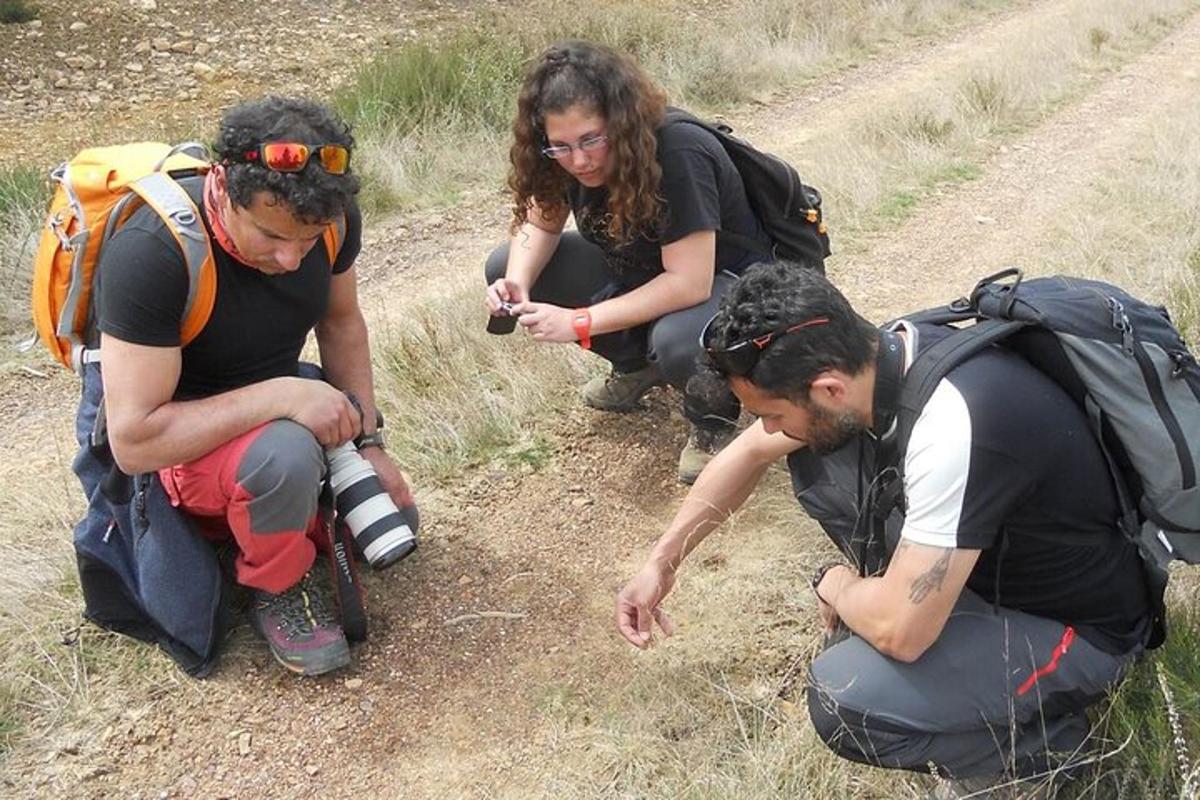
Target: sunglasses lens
<point>335,159</point>
<point>285,156</point>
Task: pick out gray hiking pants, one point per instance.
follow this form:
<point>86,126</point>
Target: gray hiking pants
<point>999,692</point>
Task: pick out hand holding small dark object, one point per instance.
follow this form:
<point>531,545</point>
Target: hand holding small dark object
<point>505,322</point>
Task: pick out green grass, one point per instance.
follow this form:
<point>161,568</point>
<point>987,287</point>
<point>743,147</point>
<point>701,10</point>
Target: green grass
<point>432,117</point>
<point>23,190</point>
<point>1138,725</point>
<point>16,11</point>
<point>1187,300</point>
<point>470,76</point>
<point>23,196</point>
<point>457,397</point>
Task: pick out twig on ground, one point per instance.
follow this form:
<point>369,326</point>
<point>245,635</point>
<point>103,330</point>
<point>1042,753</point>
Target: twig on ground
<point>477,615</point>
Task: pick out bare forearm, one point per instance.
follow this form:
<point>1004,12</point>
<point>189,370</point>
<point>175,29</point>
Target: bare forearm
<point>719,491</point>
<point>346,359</point>
<point>529,253</point>
<point>864,606</point>
<point>181,431</point>
<point>902,612</point>
<point>665,293</point>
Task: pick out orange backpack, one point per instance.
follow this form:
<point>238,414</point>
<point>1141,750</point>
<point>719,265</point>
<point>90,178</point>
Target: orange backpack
<point>96,193</point>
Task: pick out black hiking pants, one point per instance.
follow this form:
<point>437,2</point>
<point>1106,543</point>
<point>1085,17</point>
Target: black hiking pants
<point>578,275</point>
<point>1000,692</point>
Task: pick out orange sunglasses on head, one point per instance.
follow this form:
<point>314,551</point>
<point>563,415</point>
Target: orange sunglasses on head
<point>293,156</point>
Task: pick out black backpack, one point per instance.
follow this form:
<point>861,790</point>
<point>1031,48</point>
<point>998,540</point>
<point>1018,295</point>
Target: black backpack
<point>789,210</point>
<point>1125,365</point>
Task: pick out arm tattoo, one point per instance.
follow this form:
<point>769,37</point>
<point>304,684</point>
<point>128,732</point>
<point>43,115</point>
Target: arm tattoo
<point>932,580</point>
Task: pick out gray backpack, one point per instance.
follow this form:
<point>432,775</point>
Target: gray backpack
<point>1121,360</point>
<point>1126,366</point>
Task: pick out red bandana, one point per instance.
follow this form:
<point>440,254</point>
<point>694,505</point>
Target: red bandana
<point>216,220</point>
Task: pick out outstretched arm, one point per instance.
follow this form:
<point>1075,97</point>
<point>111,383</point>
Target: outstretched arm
<point>719,491</point>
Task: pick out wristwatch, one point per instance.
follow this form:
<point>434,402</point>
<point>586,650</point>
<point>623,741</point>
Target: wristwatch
<point>581,322</point>
<point>372,439</point>
<point>819,576</point>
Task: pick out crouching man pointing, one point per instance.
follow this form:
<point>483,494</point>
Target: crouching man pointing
<point>1009,601</point>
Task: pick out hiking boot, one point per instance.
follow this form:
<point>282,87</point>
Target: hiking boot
<point>621,391</point>
<point>300,629</point>
<point>702,445</point>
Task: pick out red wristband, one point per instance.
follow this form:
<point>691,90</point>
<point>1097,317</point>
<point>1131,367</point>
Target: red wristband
<point>581,321</point>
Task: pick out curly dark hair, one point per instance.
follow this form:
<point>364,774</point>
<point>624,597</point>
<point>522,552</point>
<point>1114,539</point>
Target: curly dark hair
<point>314,195</point>
<point>770,295</point>
<point>612,85</point>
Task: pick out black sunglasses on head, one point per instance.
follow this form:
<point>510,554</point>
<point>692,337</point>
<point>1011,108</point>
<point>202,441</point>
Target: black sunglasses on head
<point>739,358</point>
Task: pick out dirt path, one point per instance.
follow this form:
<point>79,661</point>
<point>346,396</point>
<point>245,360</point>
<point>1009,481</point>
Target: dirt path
<point>438,709</point>
<point>119,69</point>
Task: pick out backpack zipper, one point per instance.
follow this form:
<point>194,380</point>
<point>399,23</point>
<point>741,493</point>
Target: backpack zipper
<point>1133,347</point>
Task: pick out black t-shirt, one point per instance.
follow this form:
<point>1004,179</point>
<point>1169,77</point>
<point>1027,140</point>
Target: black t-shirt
<point>1002,460</point>
<point>259,322</point>
<point>701,191</point>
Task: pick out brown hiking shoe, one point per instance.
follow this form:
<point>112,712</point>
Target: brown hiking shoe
<point>702,445</point>
<point>621,391</point>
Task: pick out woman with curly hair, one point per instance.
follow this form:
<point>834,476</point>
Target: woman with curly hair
<point>646,268</point>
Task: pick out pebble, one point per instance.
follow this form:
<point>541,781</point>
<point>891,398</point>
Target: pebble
<point>354,683</point>
<point>202,70</point>
<point>133,66</point>
<point>244,742</point>
<point>77,26</point>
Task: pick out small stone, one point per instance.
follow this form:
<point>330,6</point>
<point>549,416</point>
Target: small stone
<point>142,47</point>
<point>464,580</point>
<point>161,43</point>
<point>203,71</point>
<point>312,770</point>
<point>77,26</point>
<point>35,23</point>
<point>62,83</point>
<point>354,683</point>
<point>982,220</point>
<point>183,47</point>
<point>133,66</point>
<point>202,48</point>
<point>74,62</point>
<point>244,742</point>
<point>145,5</point>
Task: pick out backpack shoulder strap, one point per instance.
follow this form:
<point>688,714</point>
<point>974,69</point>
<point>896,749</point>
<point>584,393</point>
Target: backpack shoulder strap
<point>335,237</point>
<point>724,135</point>
<point>933,364</point>
<point>177,210</point>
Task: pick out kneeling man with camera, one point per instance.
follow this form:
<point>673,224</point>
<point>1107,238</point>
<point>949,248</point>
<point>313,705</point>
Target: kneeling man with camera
<point>1007,600</point>
<point>240,439</point>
